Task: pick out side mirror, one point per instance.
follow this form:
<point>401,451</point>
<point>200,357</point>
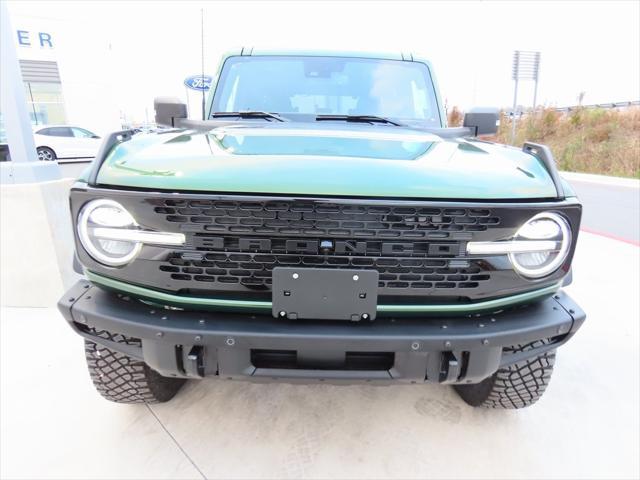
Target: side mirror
<point>168,110</point>
<point>484,121</point>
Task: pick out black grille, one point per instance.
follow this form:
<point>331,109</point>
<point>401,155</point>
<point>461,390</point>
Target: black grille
<point>299,218</point>
<point>233,243</point>
<point>391,237</point>
<point>253,271</point>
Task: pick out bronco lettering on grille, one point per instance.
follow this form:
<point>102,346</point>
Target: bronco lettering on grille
<point>315,247</point>
<point>351,246</point>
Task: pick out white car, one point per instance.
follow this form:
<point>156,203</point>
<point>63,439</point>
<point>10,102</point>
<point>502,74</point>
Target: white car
<point>65,142</point>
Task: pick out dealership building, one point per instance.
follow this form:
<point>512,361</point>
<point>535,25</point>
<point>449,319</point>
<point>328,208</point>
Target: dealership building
<point>66,71</point>
<point>83,71</point>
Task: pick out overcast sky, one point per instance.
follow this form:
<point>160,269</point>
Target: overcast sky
<point>590,46</point>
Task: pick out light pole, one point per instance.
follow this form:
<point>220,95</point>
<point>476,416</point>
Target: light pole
<point>525,67</point>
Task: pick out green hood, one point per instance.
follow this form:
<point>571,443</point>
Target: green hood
<point>325,159</point>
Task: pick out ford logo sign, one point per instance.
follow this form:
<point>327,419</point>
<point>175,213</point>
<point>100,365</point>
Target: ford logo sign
<point>201,83</point>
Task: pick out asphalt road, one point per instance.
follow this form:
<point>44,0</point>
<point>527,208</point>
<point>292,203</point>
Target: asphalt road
<point>609,210</point>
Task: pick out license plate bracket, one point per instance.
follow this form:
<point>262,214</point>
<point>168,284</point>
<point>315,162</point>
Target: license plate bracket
<point>324,293</point>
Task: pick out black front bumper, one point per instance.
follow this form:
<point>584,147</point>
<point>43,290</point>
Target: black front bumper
<point>259,347</point>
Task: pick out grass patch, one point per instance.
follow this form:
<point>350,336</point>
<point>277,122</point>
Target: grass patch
<point>599,141</point>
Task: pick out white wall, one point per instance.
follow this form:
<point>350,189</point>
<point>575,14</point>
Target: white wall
<point>36,248</point>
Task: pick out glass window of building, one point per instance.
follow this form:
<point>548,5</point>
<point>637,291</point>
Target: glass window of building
<point>43,90</point>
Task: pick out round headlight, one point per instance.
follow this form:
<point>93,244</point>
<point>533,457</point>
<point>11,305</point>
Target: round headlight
<point>107,214</point>
<point>543,226</point>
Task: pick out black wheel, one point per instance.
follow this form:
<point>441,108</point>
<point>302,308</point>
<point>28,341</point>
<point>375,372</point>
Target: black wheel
<point>45,154</point>
<point>515,386</point>
<point>122,379</point>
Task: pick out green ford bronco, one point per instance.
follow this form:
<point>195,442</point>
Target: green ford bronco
<point>322,223</point>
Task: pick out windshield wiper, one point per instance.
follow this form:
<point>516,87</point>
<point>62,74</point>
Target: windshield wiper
<point>248,114</point>
<point>358,119</point>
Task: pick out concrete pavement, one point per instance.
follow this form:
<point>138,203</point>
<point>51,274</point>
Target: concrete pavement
<point>53,425</point>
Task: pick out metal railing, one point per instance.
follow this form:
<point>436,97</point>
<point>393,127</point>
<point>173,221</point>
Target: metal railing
<point>620,105</point>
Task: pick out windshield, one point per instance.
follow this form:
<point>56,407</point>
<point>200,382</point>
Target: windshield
<point>393,89</point>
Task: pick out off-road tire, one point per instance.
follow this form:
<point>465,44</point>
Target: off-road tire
<point>45,154</point>
<point>515,386</point>
<point>122,379</point>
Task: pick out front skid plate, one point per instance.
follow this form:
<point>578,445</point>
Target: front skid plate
<point>224,341</point>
